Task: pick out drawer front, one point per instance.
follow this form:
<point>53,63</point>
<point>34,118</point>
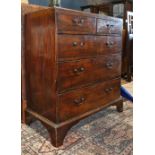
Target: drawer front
<point>82,46</point>
<point>76,46</point>
<point>109,27</point>
<point>108,45</point>
<point>79,101</point>
<point>73,23</point>
<point>74,74</point>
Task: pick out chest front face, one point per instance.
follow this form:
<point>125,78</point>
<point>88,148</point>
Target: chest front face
<point>88,62</point>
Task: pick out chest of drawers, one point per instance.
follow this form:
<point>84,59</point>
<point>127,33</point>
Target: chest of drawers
<point>73,67</point>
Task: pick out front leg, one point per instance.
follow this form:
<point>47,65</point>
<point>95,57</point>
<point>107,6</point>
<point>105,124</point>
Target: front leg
<point>119,106</point>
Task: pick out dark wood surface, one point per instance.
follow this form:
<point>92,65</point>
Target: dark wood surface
<point>25,9</point>
<point>41,62</point>
<point>73,74</point>
<point>79,101</point>
<point>72,24</point>
<point>77,46</point>
<point>67,81</point>
<point>108,27</point>
<point>127,42</point>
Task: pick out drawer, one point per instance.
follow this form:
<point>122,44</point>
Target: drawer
<point>82,46</point>
<point>74,74</point>
<point>74,23</point>
<point>108,44</point>
<point>76,46</point>
<point>79,101</point>
<point>109,27</point>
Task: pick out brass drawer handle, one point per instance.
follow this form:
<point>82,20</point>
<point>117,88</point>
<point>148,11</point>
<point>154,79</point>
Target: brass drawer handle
<point>76,44</point>
<point>81,21</point>
<point>78,21</point>
<point>75,70</point>
<point>110,25</point>
<point>78,70</point>
<point>75,20</point>
<point>79,101</point>
<point>82,69</point>
<point>108,90</point>
<point>82,99</point>
<point>110,44</point>
<point>109,65</point>
<point>82,44</point>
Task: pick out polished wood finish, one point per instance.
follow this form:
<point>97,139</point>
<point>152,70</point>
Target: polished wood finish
<point>40,62</point>
<point>74,74</point>
<point>77,46</point>
<point>25,9</point>
<point>108,27</point>
<point>72,24</point>
<point>127,42</point>
<point>79,101</point>
<point>72,70</point>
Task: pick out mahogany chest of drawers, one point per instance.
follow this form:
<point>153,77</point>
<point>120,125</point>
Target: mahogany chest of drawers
<point>73,67</point>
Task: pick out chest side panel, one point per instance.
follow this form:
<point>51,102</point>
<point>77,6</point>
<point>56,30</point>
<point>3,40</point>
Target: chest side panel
<point>41,62</point>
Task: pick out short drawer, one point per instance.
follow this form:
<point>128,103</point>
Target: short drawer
<point>76,46</point>
<point>73,74</point>
<point>83,46</point>
<point>73,23</point>
<point>79,101</point>
<point>109,27</point>
<point>106,45</point>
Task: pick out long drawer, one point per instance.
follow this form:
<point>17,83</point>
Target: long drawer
<point>109,27</point>
<point>79,101</point>
<point>82,46</point>
<point>73,74</point>
<point>74,23</point>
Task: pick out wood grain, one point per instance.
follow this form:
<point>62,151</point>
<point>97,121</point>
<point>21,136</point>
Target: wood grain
<point>73,74</point>
<point>79,101</point>
<point>76,46</point>
<point>72,70</point>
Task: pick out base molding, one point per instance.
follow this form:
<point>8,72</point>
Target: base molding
<point>58,132</point>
